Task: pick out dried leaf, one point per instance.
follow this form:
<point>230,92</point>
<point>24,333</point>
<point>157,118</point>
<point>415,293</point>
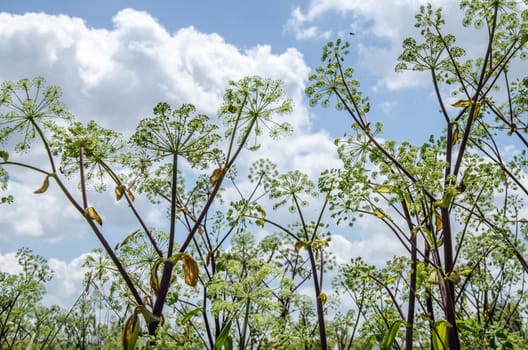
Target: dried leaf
<point>92,214</point>
<point>216,175</point>
<point>131,195</point>
<point>190,269</point>
<point>460,188</point>
<point>44,186</point>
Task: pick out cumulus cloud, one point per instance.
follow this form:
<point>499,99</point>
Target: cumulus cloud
<point>9,263</point>
<point>388,19</point>
<point>66,285</point>
<point>46,216</point>
<point>116,76</point>
<point>67,282</point>
<point>380,28</point>
<point>119,74</point>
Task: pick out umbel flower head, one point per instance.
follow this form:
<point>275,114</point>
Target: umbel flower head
<point>176,132</point>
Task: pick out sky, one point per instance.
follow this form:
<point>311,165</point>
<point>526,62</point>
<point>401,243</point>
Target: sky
<point>116,59</point>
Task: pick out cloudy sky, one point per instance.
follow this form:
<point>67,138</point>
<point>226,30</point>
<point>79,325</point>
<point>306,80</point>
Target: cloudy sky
<point>115,60</point>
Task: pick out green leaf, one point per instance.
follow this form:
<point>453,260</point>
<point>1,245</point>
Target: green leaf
<point>222,337</point>
<point>391,335</point>
<point>191,314</point>
<point>445,202</point>
<point>4,155</point>
<point>440,335</point>
<point>148,316</point>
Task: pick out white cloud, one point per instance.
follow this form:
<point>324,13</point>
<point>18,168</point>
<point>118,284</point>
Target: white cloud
<point>117,75</point>
<point>386,19</point>
<point>9,263</point>
<point>380,28</point>
<point>374,243</point>
<point>46,216</point>
<point>67,282</point>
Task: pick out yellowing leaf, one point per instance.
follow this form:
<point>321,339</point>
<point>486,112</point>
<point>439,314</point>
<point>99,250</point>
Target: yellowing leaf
<point>465,271</point>
<point>154,278</point>
<point>453,277</point>
<point>131,195</point>
<point>476,112</point>
<point>190,269</point>
<point>44,186</point>
<point>323,297</point>
<point>433,277</point>
<point>131,332</point>
<point>439,224</point>
<point>384,189</point>
<point>391,280</point>
<point>439,340</point>
<point>455,137</point>
<point>119,191</point>
<point>379,213</point>
<point>298,246</point>
<point>461,103</point>
<point>92,214</point>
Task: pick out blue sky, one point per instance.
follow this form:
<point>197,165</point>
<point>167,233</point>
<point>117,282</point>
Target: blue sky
<point>116,59</point>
